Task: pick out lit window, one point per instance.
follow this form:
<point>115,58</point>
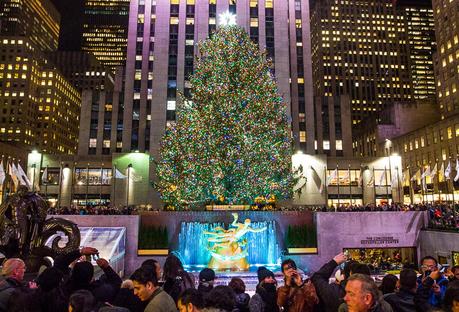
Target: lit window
<point>170,105</point>
<point>92,143</point>
<point>326,145</point>
<point>302,136</point>
<point>339,145</point>
<point>106,144</point>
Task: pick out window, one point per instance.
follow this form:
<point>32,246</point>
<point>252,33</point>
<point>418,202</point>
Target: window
<point>450,132</point>
<point>92,143</point>
<point>96,176</point>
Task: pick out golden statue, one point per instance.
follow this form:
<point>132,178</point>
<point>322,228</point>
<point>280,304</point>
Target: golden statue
<point>228,248</point>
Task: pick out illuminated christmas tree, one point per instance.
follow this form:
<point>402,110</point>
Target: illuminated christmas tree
<point>231,142</point>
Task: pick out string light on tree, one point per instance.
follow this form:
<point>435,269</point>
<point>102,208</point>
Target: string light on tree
<point>231,143</point>
<point>227,19</point>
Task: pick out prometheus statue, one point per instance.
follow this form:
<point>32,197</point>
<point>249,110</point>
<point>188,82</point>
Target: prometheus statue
<point>229,248</point>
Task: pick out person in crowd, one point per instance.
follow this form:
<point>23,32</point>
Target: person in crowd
<point>296,295</point>
<point>82,275</point>
<point>176,279</point>
<point>360,268</point>
<point>206,281</point>
<point>220,299</point>
<point>403,299</point>
<point>440,282</point>
<point>147,289</point>
<point>454,276</point>
<point>265,297</point>
<point>331,295</point>
<point>362,295</point>
<point>451,300</point>
<point>126,298</point>
<point>191,300</point>
<point>242,299</point>
<point>82,301</point>
<point>13,273</point>
<point>155,265</point>
<point>388,284</point>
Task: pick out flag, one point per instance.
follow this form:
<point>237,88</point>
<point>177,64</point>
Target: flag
<point>448,171</point>
<point>119,175</point>
<point>426,173</point>
<point>417,176</point>
<point>12,173</point>
<point>321,188</point>
<point>135,177</point>
<point>406,176</point>
<point>332,176</point>
<point>457,171</point>
<point>434,171</point>
<point>371,182</point>
<point>382,178</point>
<point>23,176</point>
<point>360,178</point>
<point>44,176</point>
<point>394,180</point>
<point>2,173</point>
<point>441,172</point>
<point>347,177</point>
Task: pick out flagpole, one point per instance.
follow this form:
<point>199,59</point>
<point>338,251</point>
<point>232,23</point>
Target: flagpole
<point>59,195</point>
<point>114,186</point>
<point>374,184</point>
<point>422,184</point>
<point>337,177</point>
<point>87,185</point>
<point>350,186</point>
<point>46,185</point>
<point>326,187</point>
<point>3,184</point>
<point>387,185</point>
<point>410,189</point>
<point>400,200</point>
<point>101,176</point>
<point>446,183</point>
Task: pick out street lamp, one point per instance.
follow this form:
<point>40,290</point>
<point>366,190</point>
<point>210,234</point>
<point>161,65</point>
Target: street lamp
<point>127,183</point>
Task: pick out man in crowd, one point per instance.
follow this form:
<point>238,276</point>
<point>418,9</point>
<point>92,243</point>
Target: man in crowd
<point>147,289</point>
<point>13,271</point>
<point>206,281</point>
<point>403,300</point>
<point>330,295</point>
<point>265,298</point>
<point>437,291</point>
<point>191,300</point>
<point>362,295</point>
<point>296,295</point>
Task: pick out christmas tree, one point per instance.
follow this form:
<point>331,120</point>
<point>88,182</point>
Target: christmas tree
<point>231,142</point>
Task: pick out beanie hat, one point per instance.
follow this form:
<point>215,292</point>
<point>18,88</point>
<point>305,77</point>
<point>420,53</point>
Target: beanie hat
<point>263,273</point>
<point>206,275</point>
<point>82,273</point>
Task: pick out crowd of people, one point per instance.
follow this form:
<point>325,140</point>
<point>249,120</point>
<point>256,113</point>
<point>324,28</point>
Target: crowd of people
<point>94,210</point>
<point>69,285</point>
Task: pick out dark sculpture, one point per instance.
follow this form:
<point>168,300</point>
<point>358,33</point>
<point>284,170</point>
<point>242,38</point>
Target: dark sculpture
<point>24,230</point>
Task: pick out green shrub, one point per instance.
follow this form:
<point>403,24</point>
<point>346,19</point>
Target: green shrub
<point>153,237</point>
<point>299,236</point>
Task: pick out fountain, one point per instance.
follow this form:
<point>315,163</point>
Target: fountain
<point>196,248</point>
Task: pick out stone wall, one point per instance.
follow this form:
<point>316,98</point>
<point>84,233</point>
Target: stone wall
<point>439,244</point>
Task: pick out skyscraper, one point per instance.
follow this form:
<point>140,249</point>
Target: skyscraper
<point>34,19</point>
<point>105,25</point>
<point>419,27</point>
<point>446,15</point>
<point>359,48</point>
<point>39,107</point>
<point>162,46</point>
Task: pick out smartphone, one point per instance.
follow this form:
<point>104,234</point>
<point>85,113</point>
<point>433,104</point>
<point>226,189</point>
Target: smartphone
<point>427,273</point>
<point>95,257</point>
<point>444,268</point>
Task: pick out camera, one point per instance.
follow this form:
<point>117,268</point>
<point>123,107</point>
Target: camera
<point>95,257</point>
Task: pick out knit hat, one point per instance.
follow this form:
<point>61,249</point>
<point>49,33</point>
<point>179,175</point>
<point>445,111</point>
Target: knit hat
<point>206,275</point>
<point>263,273</point>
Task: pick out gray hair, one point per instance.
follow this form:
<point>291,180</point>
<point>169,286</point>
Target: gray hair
<point>10,265</point>
<point>368,286</point>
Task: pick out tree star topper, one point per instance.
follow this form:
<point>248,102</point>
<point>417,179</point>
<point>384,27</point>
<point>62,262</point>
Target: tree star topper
<point>227,19</point>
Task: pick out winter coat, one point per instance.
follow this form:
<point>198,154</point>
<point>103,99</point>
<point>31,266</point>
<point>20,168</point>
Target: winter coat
<point>381,306</point>
<point>401,301</point>
<point>330,295</point>
<point>7,288</point>
<point>297,299</point>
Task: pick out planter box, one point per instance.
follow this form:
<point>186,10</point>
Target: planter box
<point>153,252</point>
<point>302,250</point>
